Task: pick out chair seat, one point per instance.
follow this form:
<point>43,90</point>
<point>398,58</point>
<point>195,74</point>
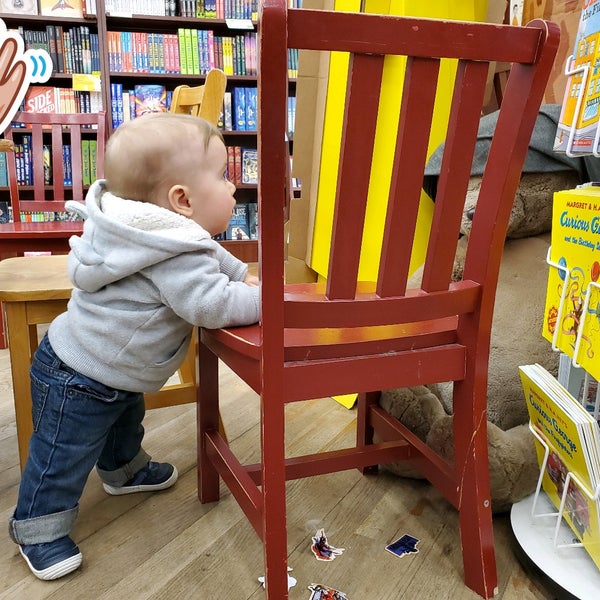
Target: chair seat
<point>319,344</point>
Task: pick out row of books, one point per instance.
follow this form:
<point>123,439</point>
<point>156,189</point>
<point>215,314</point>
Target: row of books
<point>72,50</point>
<point>242,165</point>
<point>239,111</point>
<point>48,99</point>
<point>202,9</point>
<point>127,104</point>
<point>567,439</point>
<point>24,163</point>
<point>187,52</point>
<point>238,114</point>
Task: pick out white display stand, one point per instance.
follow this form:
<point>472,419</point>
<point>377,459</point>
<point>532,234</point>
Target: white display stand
<point>570,568</point>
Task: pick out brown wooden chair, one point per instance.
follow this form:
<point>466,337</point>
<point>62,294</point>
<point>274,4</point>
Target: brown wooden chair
<point>205,100</point>
<point>344,336</point>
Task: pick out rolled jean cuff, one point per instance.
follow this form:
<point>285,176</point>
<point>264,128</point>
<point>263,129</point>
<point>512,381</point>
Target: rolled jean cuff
<point>122,475</point>
<point>44,529</point>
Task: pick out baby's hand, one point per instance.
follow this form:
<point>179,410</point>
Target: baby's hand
<point>251,280</point>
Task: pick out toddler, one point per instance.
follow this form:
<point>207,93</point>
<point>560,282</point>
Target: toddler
<point>145,271</point>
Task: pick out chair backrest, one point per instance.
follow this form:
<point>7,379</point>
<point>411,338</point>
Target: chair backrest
<point>205,100</point>
<point>55,156</point>
<point>369,39</point>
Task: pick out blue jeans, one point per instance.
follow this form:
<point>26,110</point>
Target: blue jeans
<point>77,423</point>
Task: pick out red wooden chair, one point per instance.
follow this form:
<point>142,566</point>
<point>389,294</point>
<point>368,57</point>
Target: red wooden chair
<point>56,131</point>
<point>323,339</point>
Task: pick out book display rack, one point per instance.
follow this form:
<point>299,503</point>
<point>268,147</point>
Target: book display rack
<point>114,47</point>
<point>559,530</point>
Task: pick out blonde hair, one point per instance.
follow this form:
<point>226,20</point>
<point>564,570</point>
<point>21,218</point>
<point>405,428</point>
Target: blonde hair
<point>147,155</point>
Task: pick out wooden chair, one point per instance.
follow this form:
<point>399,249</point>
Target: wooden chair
<point>343,336</point>
<point>205,100</point>
<point>57,131</point>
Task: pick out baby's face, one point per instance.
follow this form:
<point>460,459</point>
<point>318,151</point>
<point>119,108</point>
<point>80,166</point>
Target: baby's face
<point>210,193</point>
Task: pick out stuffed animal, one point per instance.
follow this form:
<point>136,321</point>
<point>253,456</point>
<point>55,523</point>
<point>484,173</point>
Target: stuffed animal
<point>515,340</point>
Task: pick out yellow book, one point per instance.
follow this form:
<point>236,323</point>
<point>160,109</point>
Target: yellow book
<point>573,441</point>
<point>571,314</point>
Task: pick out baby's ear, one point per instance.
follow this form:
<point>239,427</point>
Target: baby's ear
<point>178,200</point>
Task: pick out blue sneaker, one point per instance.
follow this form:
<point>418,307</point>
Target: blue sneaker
<point>152,478</point>
<point>53,559</point>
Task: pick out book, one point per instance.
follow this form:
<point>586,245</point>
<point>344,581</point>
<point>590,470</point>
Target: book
<point>4,212</point>
<point>19,7</point>
<point>61,8</point>
<point>249,166</point>
<point>577,129</point>
<point>150,98</point>
<point>252,208</point>
<point>237,229</point>
<point>573,440</point>
<point>3,170</point>
<point>85,162</point>
<point>571,312</point>
<point>42,99</point>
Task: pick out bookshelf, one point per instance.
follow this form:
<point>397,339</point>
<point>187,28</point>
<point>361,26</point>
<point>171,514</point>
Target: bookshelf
<point>116,18</point>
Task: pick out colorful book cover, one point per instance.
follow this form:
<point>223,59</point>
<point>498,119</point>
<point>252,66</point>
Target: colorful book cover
<point>572,310</point>
<point>3,170</point>
<point>249,166</point>
<point>577,131</point>
<point>42,99</point>
<point>61,8</point>
<point>85,162</point>
<point>253,220</point>
<point>4,212</point>
<point>19,7</point>
<point>573,440</point>
<point>237,229</point>
<point>150,98</point>
<point>93,159</point>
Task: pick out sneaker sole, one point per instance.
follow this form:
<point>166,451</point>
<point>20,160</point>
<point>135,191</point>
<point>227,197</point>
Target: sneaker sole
<point>133,489</point>
<point>64,567</point>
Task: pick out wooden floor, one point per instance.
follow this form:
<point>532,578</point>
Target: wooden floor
<point>167,545</point>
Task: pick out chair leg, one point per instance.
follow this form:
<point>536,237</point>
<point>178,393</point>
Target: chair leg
<point>273,496</point>
<point>474,504</point>
<point>208,419</point>
<point>364,429</point>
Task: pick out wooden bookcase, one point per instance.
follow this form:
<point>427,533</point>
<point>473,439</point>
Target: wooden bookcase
<point>101,23</point>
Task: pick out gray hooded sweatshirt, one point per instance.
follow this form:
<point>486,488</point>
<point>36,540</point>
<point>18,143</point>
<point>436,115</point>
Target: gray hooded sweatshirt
<point>144,277</point>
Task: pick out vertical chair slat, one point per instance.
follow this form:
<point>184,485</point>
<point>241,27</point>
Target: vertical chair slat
<point>463,125</point>
<point>76,160</point>
<point>58,162</point>
<point>37,161</point>
<point>358,138</point>
<point>416,113</point>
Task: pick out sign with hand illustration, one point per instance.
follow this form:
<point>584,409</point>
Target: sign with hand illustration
<point>19,68</point>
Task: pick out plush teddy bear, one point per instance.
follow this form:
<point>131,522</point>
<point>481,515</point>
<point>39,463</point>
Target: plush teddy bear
<point>515,340</point>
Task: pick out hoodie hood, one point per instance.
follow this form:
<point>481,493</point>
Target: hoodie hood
<point>117,230</point>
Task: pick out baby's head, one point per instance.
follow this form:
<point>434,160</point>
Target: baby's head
<point>148,154</point>
<point>175,161</point>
